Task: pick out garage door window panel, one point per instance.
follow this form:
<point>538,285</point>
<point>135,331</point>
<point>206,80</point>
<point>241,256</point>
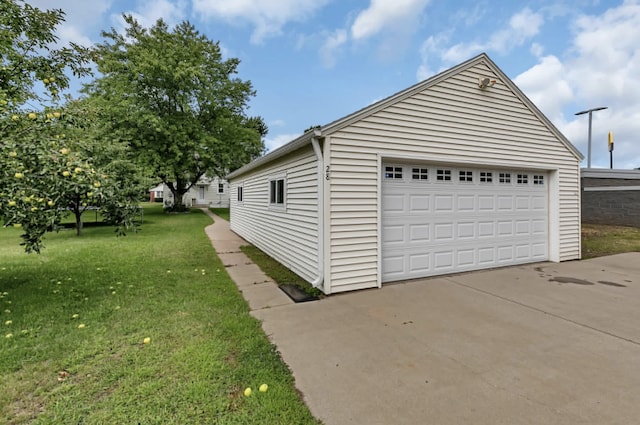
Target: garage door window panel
<point>443,175</point>
<point>465,176</point>
<point>420,174</point>
<point>393,172</point>
<point>486,177</point>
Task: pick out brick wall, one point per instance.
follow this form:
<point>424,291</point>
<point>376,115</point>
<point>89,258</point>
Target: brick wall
<point>614,206</point>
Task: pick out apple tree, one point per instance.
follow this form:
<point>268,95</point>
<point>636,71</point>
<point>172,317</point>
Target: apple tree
<point>176,102</point>
<point>42,171</point>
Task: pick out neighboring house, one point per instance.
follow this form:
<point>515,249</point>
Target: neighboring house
<point>456,173</point>
<point>611,196</point>
<point>208,192</point>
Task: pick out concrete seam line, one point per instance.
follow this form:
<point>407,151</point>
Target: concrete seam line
<point>544,312</point>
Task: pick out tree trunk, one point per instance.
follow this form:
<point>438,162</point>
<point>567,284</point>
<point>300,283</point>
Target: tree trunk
<point>178,190</point>
<point>78,214</point>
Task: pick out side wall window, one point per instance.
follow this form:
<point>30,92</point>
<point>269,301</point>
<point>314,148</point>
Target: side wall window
<point>240,194</point>
<point>220,187</point>
<point>277,191</point>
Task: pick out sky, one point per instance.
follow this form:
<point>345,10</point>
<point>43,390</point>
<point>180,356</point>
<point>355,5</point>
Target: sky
<point>314,61</point>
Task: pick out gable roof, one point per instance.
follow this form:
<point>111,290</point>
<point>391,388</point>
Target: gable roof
<point>343,122</point>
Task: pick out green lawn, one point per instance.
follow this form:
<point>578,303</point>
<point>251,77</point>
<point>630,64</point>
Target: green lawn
<point>602,239</point>
<point>74,320</point>
<point>221,212</point>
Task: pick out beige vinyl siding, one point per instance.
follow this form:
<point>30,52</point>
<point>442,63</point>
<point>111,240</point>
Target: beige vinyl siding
<point>287,234</point>
<point>451,121</point>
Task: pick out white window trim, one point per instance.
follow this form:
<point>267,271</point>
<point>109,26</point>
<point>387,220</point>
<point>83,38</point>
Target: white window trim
<point>240,194</point>
<point>429,174</point>
<point>489,174</point>
<point>466,176</point>
<point>276,205</point>
<point>394,166</point>
<point>452,175</point>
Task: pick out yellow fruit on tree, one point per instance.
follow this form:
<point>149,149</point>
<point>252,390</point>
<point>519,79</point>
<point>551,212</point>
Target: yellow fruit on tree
<point>51,203</point>
<point>12,203</point>
<point>13,154</point>
<point>65,151</point>
<point>18,175</point>
<point>66,173</point>
<point>56,114</point>
<point>15,117</point>
<point>32,115</point>
<point>96,184</point>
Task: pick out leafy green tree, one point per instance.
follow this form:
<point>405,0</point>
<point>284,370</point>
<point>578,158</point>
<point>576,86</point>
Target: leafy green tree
<point>120,180</point>
<point>43,172</point>
<point>176,102</point>
<point>27,56</point>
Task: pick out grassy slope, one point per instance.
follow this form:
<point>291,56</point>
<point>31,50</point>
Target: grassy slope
<point>205,348</point>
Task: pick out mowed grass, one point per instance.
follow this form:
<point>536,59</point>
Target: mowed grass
<point>601,239</point>
<point>278,272</point>
<point>221,212</point>
<point>74,320</point>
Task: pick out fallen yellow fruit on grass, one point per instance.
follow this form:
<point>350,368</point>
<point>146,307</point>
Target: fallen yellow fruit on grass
<point>247,392</point>
<point>147,340</point>
<point>263,388</point>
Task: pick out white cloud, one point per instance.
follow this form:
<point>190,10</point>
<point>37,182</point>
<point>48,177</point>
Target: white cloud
<point>600,68</point>
<point>546,85</point>
<point>384,14</point>
<point>267,16</point>
<point>81,18</point>
<point>522,27</point>
<point>272,143</point>
<point>429,47</point>
<point>148,12</point>
<point>332,44</point>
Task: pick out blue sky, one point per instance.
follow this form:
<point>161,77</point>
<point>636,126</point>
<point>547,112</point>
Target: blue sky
<point>313,61</point>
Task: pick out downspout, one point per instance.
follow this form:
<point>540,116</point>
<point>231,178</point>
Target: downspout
<point>316,148</point>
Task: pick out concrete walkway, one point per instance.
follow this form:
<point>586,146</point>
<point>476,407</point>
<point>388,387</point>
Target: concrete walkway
<point>256,287</point>
<point>541,343</point>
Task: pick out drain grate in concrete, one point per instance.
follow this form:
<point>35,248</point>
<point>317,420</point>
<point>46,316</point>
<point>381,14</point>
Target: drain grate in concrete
<point>297,294</point>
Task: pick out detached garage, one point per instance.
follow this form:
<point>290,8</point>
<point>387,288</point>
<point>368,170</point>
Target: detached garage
<point>459,172</point>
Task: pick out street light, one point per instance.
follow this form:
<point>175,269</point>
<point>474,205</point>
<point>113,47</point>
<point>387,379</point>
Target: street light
<point>590,111</point>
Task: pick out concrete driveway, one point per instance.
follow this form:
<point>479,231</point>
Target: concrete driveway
<point>538,344</point>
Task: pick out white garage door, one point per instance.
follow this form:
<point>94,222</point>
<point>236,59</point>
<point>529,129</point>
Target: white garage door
<point>438,219</point>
